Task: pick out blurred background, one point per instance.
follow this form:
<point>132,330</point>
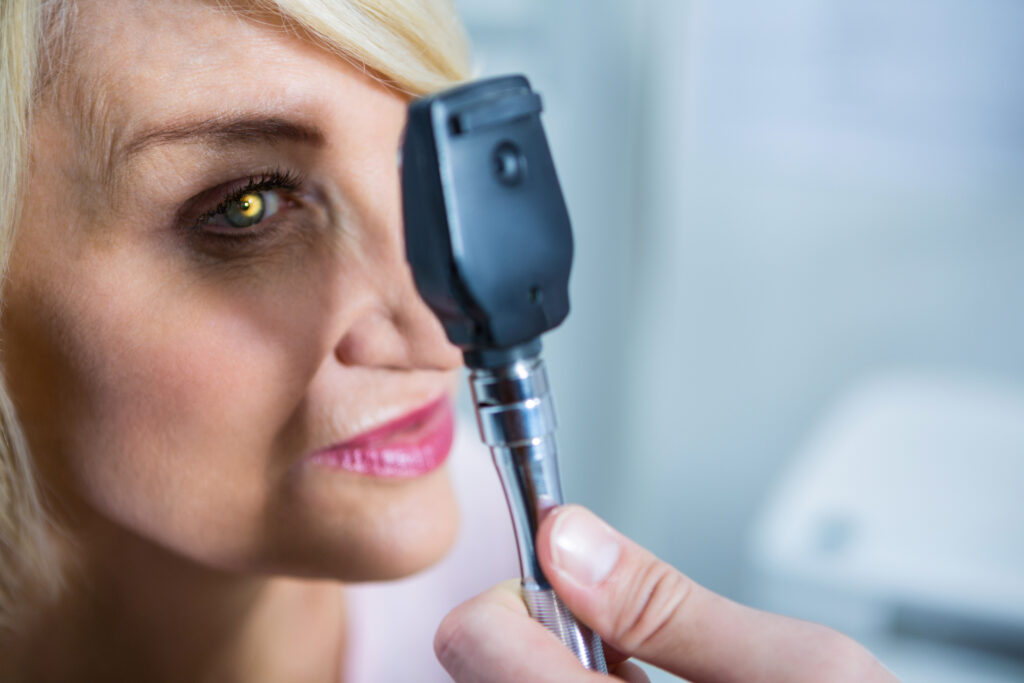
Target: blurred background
<point>795,362</point>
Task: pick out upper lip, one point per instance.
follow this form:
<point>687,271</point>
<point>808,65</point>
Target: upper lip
<point>389,425</point>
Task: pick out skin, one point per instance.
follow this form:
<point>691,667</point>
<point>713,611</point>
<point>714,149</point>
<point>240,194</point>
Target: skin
<point>171,383</point>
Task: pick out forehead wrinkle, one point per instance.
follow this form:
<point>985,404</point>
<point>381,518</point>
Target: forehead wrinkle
<point>91,114</point>
<point>90,96</point>
<point>108,139</point>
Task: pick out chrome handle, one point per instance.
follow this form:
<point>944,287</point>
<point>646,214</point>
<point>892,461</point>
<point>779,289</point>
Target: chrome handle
<point>516,416</point>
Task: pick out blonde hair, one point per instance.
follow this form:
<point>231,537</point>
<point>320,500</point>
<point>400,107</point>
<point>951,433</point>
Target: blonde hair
<point>415,46</point>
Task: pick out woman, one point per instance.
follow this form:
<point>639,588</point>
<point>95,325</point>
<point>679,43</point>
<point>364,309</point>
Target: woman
<point>223,386</point>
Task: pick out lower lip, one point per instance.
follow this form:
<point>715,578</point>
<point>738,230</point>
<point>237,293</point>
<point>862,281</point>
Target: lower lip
<point>408,447</point>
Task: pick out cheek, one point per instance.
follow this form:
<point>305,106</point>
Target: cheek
<point>174,393</point>
<point>179,417</point>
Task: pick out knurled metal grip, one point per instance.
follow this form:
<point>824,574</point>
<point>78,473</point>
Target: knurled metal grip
<point>549,610</point>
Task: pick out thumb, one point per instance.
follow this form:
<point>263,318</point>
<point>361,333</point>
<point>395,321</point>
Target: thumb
<point>643,607</point>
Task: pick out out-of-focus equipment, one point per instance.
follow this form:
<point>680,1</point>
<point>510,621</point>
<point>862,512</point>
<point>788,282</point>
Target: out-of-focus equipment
<point>901,523</point>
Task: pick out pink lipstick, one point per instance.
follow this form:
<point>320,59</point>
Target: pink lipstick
<point>409,446</point>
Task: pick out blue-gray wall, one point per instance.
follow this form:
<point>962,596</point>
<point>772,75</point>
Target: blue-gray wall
<point>771,200</point>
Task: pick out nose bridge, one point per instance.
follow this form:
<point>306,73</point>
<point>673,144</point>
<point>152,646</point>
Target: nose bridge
<point>390,276</point>
<point>395,328</point>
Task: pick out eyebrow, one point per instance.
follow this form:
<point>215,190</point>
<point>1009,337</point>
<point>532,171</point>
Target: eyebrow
<point>223,131</point>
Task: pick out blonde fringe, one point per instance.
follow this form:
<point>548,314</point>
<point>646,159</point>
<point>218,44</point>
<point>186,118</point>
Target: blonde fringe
<point>417,46</point>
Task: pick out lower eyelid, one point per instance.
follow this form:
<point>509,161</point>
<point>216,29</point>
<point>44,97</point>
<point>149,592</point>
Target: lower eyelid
<point>215,247</point>
<point>301,227</point>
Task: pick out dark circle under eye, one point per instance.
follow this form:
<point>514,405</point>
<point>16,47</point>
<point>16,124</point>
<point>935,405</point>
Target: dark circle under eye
<point>246,211</point>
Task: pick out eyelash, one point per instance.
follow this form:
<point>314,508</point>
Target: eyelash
<point>275,179</point>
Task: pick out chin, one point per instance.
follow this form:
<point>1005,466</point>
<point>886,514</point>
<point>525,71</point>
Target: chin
<point>382,530</point>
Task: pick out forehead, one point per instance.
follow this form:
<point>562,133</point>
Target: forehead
<point>137,64</point>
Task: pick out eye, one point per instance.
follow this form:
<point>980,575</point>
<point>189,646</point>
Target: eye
<point>242,211</point>
<point>246,210</point>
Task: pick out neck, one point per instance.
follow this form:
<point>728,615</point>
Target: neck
<point>134,611</point>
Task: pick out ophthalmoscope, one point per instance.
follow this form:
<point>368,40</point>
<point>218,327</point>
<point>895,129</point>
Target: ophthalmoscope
<point>488,237</point>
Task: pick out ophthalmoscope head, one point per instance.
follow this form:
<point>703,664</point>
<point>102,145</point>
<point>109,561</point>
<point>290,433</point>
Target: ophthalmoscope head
<point>486,228</point>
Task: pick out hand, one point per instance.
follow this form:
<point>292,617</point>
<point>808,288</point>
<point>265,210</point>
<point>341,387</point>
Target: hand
<point>643,608</point>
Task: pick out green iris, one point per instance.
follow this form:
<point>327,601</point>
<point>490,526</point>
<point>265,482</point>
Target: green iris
<point>246,211</point>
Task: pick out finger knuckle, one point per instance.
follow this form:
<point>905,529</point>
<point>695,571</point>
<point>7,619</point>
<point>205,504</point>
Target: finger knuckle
<point>655,595</point>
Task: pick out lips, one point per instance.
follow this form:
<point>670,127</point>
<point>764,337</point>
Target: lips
<point>410,446</point>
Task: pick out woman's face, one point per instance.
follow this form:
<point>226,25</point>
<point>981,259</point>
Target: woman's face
<point>209,285</point>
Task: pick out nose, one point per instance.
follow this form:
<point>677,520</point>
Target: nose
<point>397,330</point>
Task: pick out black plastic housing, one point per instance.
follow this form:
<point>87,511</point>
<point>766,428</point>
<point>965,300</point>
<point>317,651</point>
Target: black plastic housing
<point>487,231</point>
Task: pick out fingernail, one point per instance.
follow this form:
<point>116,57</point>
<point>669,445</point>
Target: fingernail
<point>583,547</point>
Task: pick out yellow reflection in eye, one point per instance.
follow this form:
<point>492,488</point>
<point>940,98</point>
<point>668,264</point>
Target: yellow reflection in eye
<point>245,211</point>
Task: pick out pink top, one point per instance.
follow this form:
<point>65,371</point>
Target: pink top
<point>392,624</point>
